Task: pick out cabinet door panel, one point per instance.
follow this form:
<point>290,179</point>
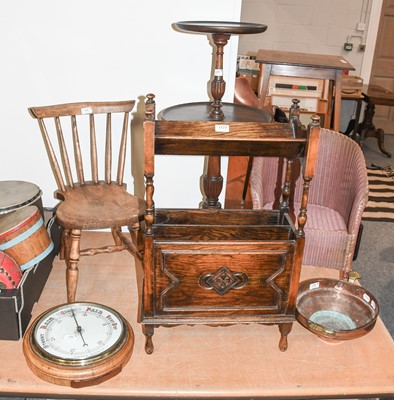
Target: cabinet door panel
<point>223,281</point>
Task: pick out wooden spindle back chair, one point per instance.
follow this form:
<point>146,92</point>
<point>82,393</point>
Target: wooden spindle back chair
<point>98,202</point>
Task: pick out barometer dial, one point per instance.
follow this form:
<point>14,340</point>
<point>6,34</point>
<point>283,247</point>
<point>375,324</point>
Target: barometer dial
<point>76,338</point>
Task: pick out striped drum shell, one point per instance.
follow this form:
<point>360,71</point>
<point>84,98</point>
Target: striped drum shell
<point>10,273</point>
<point>24,238</point>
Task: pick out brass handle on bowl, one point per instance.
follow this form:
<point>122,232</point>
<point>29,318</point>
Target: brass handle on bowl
<point>320,329</point>
<point>353,276</point>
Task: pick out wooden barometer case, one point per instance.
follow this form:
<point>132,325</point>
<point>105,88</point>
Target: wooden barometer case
<point>78,344</point>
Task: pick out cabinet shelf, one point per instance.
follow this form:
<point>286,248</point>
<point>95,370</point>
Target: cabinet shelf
<point>238,138</point>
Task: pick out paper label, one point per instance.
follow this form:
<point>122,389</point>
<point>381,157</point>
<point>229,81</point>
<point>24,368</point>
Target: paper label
<point>373,305</point>
<point>86,110</point>
<point>314,285</point>
<point>218,72</point>
<point>222,128</point>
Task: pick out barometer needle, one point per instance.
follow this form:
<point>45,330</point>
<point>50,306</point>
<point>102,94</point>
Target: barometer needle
<point>79,328</point>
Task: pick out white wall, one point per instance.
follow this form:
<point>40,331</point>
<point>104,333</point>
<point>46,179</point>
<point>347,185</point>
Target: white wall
<point>311,26</point>
<point>71,50</point>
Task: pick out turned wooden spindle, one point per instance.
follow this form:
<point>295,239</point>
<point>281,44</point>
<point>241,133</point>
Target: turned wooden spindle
<point>284,205</point>
<point>212,183</point>
<point>310,156</point>
<point>149,129</point>
<point>295,109</point>
<point>212,180</point>
<point>218,85</point>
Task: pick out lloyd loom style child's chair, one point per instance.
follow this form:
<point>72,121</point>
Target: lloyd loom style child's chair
<point>337,198</point>
<point>92,202</point>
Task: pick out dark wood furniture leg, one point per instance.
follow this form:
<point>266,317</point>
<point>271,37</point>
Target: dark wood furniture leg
<point>284,330</point>
<point>357,118</point>
<point>367,128</point>
<point>353,125</point>
<point>148,331</point>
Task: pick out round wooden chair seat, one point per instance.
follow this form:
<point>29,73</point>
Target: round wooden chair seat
<point>99,206</point>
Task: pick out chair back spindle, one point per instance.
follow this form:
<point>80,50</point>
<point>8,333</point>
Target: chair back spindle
<point>93,149</point>
<point>77,151</point>
<point>108,149</point>
<point>63,153</point>
<point>122,150</point>
<point>52,156</point>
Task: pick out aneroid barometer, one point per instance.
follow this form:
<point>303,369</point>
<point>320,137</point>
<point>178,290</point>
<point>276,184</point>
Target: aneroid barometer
<point>78,344</point>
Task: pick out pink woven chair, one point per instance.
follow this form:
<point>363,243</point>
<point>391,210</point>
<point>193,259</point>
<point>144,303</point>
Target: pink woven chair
<point>337,198</point>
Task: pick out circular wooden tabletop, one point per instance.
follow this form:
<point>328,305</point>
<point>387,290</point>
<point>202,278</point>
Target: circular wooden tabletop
<point>229,28</point>
<point>200,112</point>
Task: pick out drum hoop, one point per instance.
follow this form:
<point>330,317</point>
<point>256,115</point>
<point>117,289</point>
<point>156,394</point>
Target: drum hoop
<point>5,210</point>
<point>23,235</point>
<point>38,258</point>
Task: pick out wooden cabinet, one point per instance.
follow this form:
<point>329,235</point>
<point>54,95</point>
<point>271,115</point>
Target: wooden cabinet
<point>215,266</point>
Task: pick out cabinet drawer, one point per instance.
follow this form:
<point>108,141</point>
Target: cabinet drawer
<point>201,278</point>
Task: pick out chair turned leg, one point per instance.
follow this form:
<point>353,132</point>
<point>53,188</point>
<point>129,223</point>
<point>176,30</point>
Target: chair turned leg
<point>72,265</point>
<point>64,246</point>
<point>115,234</point>
<point>137,238</point>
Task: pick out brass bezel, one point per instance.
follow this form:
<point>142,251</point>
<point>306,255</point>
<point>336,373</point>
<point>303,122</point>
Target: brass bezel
<point>46,356</point>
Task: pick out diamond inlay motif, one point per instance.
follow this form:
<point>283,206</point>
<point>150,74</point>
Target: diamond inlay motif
<point>223,280</point>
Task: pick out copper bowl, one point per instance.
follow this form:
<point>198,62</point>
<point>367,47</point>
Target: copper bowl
<point>335,309</point>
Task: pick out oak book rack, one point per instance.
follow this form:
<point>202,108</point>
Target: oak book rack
<point>220,266</point>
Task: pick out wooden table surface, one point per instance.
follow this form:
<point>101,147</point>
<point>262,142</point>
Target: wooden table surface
<point>325,61</point>
<point>378,95</point>
<point>224,362</point>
